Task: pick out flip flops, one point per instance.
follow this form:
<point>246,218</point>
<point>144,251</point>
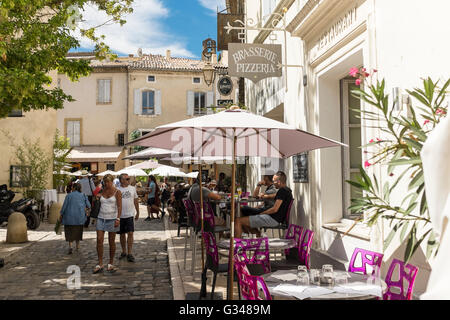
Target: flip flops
<point>97,269</point>
<point>111,268</point>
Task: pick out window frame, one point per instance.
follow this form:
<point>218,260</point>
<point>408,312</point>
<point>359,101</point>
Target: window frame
<point>347,171</point>
<point>14,176</point>
<point>198,110</point>
<point>66,122</point>
<point>110,91</point>
<point>200,80</point>
<point>154,78</point>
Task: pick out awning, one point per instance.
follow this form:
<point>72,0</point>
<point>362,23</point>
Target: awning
<point>94,154</point>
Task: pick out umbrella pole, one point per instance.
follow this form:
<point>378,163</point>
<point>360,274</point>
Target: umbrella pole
<point>231,252</point>
<point>201,212</point>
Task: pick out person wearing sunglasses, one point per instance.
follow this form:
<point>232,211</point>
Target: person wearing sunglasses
<point>130,205</point>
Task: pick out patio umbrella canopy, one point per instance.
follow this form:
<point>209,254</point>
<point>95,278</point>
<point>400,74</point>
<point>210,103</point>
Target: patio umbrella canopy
<point>104,173</point>
<point>150,153</point>
<point>233,132</point>
<point>133,172</point>
<point>168,171</point>
<point>149,164</point>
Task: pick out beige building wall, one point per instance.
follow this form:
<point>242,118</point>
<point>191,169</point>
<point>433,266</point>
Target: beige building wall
<point>39,124</point>
<point>100,123</point>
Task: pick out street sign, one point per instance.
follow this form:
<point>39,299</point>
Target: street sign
<point>225,86</point>
<point>224,102</point>
<point>254,61</point>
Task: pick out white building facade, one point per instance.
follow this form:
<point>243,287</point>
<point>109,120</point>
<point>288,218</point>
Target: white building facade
<point>404,41</point>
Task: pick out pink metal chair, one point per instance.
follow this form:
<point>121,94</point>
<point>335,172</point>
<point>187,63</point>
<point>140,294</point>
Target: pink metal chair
<point>208,218</point>
<point>248,284</point>
<point>370,258</point>
<point>245,195</point>
<point>293,232</point>
<point>407,273</point>
<point>305,248</point>
<point>254,252</point>
<point>193,227</point>
<point>212,263</point>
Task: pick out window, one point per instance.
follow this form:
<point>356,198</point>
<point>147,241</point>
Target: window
<point>199,103</point>
<point>20,176</point>
<point>196,80</point>
<point>148,102</point>
<point>351,131</point>
<point>151,79</point>
<point>110,166</point>
<point>300,168</point>
<point>120,139</point>
<point>73,132</point>
<point>103,91</point>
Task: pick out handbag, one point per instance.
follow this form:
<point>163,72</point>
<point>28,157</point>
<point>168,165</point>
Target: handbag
<point>95,208</point>
<point>58,227</point>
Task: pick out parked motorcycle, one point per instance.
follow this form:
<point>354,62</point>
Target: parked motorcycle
<point>27,206</point>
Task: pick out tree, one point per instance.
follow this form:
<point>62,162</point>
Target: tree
<point>35,37</point>
<point>61,149</point>
<point>401,147</point>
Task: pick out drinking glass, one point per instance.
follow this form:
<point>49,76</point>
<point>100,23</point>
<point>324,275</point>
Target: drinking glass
<point>327,268</point>
<point>340,279</point>
<point>302,275</point>
<point>327,274</point>
<point>314,275</point>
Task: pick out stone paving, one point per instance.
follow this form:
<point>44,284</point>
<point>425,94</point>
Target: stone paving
<point>38,269</point>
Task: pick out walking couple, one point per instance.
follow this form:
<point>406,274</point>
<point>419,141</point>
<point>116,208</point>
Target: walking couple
<point>116,215</point>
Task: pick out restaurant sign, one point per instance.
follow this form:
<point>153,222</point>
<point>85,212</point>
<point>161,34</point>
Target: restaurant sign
<point>254,61</point>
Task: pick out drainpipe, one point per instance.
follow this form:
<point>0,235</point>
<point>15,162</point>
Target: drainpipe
<point>127,111</point>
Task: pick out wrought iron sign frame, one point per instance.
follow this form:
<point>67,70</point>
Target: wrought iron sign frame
<point>249,24</point>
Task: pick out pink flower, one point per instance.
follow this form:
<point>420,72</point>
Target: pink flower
<point>363,70</point>
<point>391,175</point>
<point>358,82</point>
<point>378,139</point>
<point>375,70</point>
<point>366,74</point>
<point>371,141</point>
<point>367,164</point>
<point>353,72</point>
<point>426,122</point>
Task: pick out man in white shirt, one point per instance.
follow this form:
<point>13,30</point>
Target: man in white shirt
<point>130,205</point>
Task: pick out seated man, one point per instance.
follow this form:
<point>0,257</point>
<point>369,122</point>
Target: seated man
<point>194,195</point>
<point>271,217</point>
<point>268,196</point>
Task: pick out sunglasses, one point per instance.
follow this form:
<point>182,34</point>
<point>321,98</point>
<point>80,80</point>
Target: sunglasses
<point>128,179</point>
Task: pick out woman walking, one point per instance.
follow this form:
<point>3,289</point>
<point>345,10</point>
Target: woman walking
<point>153,202</point>
<point>73,215</point>
<point>108,221</point>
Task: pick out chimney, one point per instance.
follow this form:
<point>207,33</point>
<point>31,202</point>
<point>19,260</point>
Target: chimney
<point>131,55</point>
<point>167,54</point>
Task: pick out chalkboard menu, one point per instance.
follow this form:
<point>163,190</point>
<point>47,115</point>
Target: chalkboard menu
<point>300,166</point>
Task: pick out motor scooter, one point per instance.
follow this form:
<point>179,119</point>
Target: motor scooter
<point>27,206</point>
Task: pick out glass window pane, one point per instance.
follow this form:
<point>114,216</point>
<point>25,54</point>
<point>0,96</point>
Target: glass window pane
<point>353,103</point>
<point>151,99</point>
<point>203,100</point>
<point>144,99</point>
<point>355,150</point>
<point>355,192</point>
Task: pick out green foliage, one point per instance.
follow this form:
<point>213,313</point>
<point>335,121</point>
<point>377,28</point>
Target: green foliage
<point>406,136</point>
<point>35,37</point>
<point>61,149</point>
<point>134,135</point>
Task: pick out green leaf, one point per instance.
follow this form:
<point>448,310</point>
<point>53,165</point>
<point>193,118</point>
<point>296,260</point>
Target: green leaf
<point>416,181</point>
<point>432,244</point>
<point>403,231</point>
<point>404,161</point>
<point>409,251</point>
<point>391,236</point>
<point>413,144</point>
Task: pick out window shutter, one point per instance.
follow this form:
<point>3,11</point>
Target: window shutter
<point>100,91</point>
<point>190,103</point>
<point>236,98</point>
<point>158,102</point>
<point>209,102</point>
<point>137,101</point>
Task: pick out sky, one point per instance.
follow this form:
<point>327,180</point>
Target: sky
<point>158,25</point>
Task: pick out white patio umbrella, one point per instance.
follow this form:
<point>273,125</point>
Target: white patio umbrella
<point>233,132</point>
<point>168,171</point>
<point>104,173</point>
<point>149,164</point>
<point>150,153</point>
<point>133,172</point>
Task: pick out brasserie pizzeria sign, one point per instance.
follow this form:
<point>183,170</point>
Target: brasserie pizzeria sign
<point>254,61</point>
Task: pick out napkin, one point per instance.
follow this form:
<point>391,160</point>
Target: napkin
<point>283,275</point>
<point>301,292</point>
<point>359,287</point>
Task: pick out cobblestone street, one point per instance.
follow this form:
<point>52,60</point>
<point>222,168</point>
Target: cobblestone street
<point>39,270</point>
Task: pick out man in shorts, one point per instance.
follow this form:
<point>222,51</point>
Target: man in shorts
<point>130,203</point>
<point>271,217</point>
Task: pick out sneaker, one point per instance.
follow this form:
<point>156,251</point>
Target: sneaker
<point>147,219</point>
<point>130,258</point>
<point>122,255</point>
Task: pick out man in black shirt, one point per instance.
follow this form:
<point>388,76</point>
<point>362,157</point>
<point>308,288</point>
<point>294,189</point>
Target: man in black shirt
<point>271,217</point>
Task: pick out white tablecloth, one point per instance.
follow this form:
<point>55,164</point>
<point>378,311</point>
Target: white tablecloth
<point>49,196</point>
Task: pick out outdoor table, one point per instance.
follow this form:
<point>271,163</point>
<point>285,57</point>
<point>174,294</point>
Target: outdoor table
<point>239,202</point>
<point>275,244</point>
<point>359,287</point>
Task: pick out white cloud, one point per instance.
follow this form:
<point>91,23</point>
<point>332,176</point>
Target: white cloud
<point>213,5</point>
<point>144,29</point>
